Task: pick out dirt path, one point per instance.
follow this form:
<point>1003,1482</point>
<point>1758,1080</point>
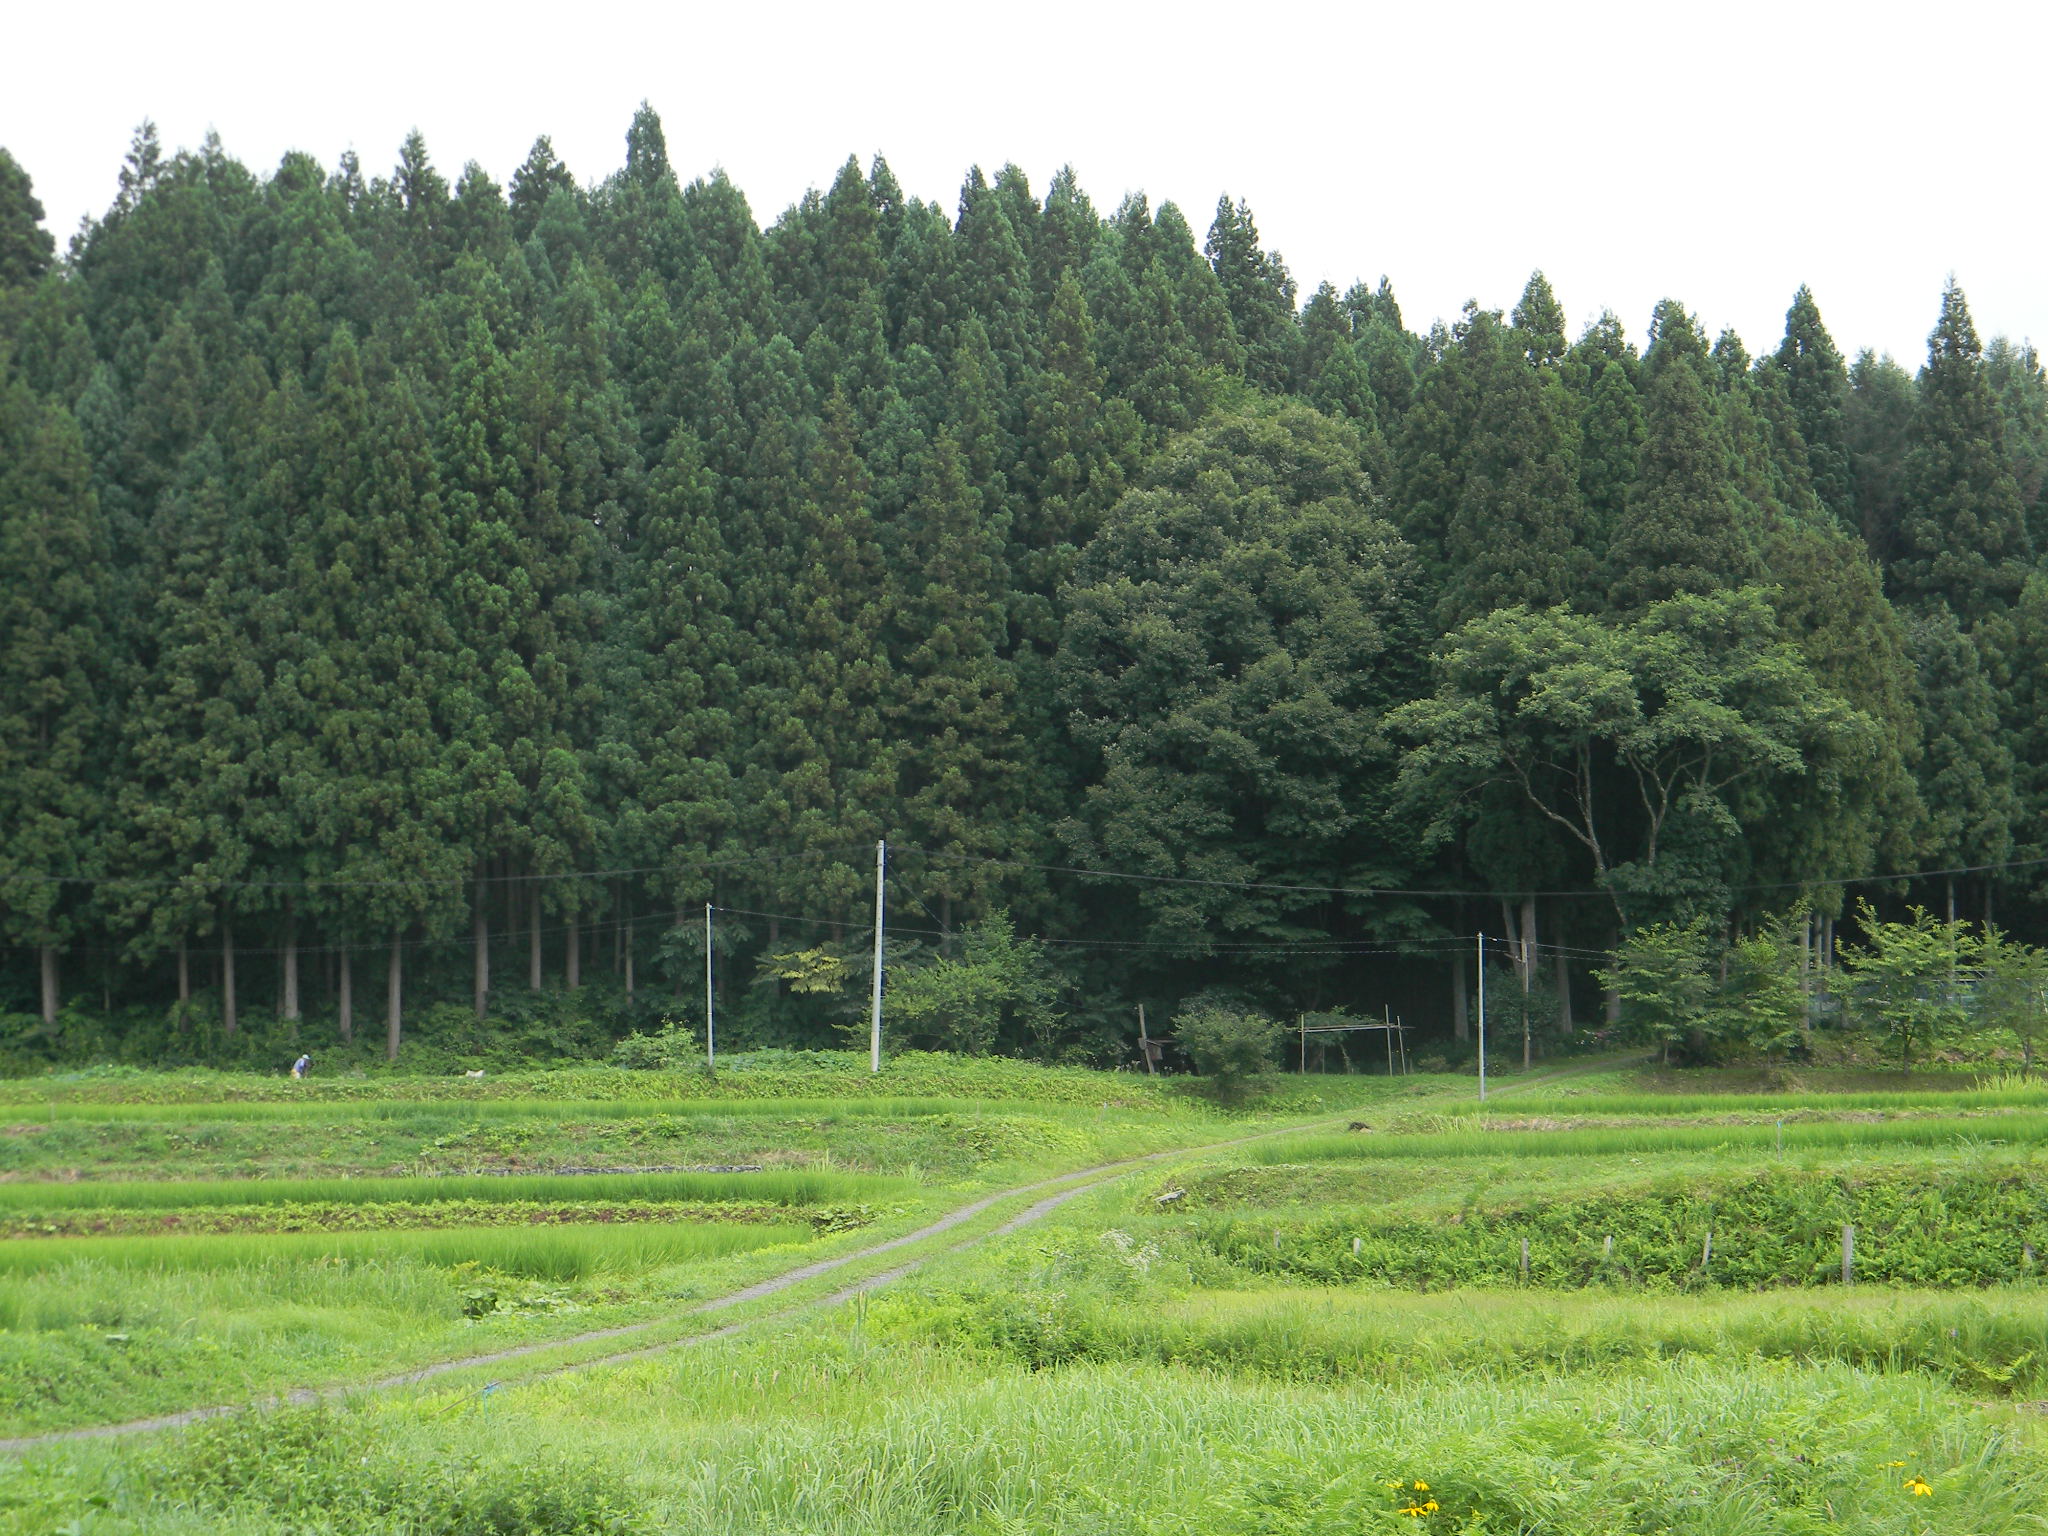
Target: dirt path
<point>787,1280</point>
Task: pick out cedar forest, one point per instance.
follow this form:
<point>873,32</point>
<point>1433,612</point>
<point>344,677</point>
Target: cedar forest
<point>420,600</point>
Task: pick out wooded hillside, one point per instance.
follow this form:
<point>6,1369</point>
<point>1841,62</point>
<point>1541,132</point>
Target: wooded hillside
<point>448,589</point>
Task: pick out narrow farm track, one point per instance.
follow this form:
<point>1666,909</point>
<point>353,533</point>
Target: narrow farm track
<point>1080,1181</point>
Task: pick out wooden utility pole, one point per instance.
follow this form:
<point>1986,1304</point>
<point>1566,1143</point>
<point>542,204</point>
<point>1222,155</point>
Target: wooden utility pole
<point>1145,1044</point>
<point>710,1006</point>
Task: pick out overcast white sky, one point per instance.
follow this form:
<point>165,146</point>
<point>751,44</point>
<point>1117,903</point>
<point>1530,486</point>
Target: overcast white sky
<point>1719,153</point>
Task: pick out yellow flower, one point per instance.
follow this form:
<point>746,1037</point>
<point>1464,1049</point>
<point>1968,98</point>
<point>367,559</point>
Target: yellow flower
<point>1891,1463</point>
<point>1430,1506</point>
<point>1421,1486</point>
<point>1917,1486</point>
<point>1413,1509</point>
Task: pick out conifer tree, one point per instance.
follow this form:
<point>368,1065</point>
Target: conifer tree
<point>1818,383</point>
<point>55,703</point>
<point>26,247</point>
<point>1877,425</point>
<point>1962,529</point>
<point>1514,534</point>
<point>956,697</point>
<point>1966,770</point>
<point>538,178</point>
<point>1686,529</point>
<point>1259,291</point>
<point>1539,323</point>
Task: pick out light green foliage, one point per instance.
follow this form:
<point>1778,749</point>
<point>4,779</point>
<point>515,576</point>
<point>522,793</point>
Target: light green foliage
<point>998,987</point>
<point>1764,1005</point>
<point>1661,975</point>
<point>1909,976</point>
<point>1231,1048</point>
<point>2012,988</point>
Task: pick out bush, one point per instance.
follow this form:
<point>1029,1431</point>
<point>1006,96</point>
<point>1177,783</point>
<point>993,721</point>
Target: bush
<point>1232,1049</point>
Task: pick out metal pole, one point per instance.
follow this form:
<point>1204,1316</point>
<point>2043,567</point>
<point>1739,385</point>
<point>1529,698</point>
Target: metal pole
<point>1482,1018</point>
<point>875,1012</point>
<point>710,1008</point>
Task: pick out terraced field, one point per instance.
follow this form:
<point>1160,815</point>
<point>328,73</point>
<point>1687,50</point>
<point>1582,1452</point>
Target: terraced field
<point>1593,1305</point>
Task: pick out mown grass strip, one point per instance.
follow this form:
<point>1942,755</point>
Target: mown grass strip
<point>2018,1129</point>
<point>540,1253</point>
<point>794,1188</point>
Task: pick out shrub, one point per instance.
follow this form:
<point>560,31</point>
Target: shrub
<point>1232,1049</point>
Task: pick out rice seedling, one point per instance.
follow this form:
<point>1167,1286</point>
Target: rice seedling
<point>2020,1128</point>
<point>553,1252</point>
<point>769,1187</point>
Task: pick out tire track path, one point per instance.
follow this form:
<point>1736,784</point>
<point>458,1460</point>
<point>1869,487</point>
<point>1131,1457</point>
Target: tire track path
<point>774,1285</point>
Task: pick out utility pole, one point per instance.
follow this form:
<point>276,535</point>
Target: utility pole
<point>1482,1018</point>
<point>875,1013</point>
<point>710,1007</point>
<point>1145,1044</point>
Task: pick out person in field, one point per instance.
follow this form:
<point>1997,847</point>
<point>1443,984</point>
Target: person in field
<point>302,1066</point>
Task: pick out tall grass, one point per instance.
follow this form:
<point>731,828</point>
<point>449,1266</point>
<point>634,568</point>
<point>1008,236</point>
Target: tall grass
<point>1986,1342</point>
<point>2020,1128</point>
<point>564,1252</point>
<point>769,1187</point>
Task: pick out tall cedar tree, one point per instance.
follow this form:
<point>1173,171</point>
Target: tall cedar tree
<point>1962,530</point>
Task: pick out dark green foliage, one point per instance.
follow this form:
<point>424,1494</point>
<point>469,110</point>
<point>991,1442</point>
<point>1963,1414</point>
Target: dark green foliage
<point>1962,527</point>
<point>1817,383</point>
<point>403,575</point>
<point>1686,526</point>
<point>25,246</point>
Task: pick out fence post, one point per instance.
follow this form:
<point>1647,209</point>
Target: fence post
<point>1707,1249</point>
<point>1525,1261</point>
<point>1848,1255</point>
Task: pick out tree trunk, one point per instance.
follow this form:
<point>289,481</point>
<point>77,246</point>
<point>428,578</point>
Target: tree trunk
<point>482,926</point>
<point>533,953</point>
<point>394,987</point>
<point>1564,993</point>
<point>48,956</point>
<point>1951,898</point>
<point>1461,1023</point>
<point>573,958</point>
<point>291,968</point>
<point>184,973</point>
<point>945,925</point>
<point>627,934</point>
<point>227,976</point>
<point>1612,1001</point>
<point>345,1002</point>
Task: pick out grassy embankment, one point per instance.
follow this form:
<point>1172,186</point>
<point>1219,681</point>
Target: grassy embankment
<point>1225,1362</point>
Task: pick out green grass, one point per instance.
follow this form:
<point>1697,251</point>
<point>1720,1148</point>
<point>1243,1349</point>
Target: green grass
<point>2018,1128</point>
<point>768,1187</point>
<point>446,1112</point>
<point>838,1075</point>
<point>1682,1104</point>
<point>1990,1342</point>
<point>835,1434</point>
<point>552,1252</point>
